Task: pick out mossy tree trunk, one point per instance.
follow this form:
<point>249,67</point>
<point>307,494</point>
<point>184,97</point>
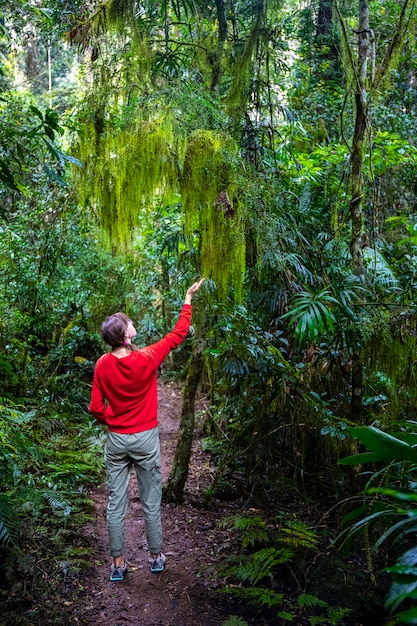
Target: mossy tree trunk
<point>174,489</point>
<point>366,52</point>
<point>363,84</point>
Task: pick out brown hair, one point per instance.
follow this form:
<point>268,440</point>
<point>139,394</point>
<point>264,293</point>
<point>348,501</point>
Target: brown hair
<point>113,330</point>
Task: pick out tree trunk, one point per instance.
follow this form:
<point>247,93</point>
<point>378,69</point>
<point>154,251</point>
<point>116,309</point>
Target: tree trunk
<point>357,154</point>
<point>324,18</point>
<point>167,313</point>
<point>356,204</point>
<point>174,489</point>
<point>357,387</point>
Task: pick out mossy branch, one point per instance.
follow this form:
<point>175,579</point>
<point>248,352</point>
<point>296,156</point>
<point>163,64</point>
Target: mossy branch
<point>347,54</point>
<point>396,43</point>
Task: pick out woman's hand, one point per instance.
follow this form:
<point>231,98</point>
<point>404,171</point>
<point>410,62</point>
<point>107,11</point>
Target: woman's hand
<point>192,290</point>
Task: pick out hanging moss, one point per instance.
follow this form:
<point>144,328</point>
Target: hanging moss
<point>347,59</point>
<point>209,194</point>
<point>127,168</point>
<point>120,13</point>
<point>240,88</point>
<point>209,168</point>
<point>134,150</point>
<point>113,16</point>
<point>223,247</point>
<point>126,148</point>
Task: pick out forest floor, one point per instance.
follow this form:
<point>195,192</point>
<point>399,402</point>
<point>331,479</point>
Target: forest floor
<point>186,592</point>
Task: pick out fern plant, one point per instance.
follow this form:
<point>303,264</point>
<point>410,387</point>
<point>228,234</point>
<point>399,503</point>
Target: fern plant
<point>252,528</point>
<point>44,470</point>
<point>251,569</point>
<point>267,554</point>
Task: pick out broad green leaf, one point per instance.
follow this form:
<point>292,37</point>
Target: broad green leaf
<point>399,494</point>
<point>393,529</point>
<point>360,459</point>
<point>385,447</point>
<point>36,112</point>
<point>407,617</point>
<point>399,590</point>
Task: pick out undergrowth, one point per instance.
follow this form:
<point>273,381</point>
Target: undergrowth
<point>48,462</point>
<point>265,573</point>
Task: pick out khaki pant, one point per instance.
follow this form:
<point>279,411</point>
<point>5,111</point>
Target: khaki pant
<point>143,452</point>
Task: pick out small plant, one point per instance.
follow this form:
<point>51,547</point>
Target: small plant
<point>235,621</point>
<point>311,315</point>
<point>269,553</point>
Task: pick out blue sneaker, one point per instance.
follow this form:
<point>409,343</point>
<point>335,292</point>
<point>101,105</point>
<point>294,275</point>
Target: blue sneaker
<point>117,573</point>
<point>158,563</point>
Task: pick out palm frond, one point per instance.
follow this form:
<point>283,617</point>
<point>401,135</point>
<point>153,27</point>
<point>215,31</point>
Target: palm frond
<point>379,270</point>
<point>311,315</point>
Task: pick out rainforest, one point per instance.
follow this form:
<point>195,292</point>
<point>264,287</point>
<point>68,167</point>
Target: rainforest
<point>270,147</point>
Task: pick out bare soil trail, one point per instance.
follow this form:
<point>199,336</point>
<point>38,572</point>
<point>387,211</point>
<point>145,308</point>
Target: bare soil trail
<point>185,594</point>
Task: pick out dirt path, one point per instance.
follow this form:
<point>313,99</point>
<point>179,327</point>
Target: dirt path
<point>185,593</point>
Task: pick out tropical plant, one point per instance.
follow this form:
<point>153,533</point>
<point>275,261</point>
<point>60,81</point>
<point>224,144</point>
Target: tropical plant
<point>311,316</point>
<point>389,511</point>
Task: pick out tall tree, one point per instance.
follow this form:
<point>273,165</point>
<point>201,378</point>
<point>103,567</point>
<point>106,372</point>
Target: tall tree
<point>366,81</point>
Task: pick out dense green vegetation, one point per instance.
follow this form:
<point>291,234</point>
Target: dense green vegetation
<point>269,146</point>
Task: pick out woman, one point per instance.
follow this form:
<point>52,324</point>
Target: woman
<point>124,397</point>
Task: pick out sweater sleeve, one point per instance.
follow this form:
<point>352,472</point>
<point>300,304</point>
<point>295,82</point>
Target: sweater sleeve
<point>158,351</point>
<point>97,405</point>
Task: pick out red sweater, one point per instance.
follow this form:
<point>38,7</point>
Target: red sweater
<point>129,384</point>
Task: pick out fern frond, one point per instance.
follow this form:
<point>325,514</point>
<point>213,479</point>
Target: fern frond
<point>253,536</point>
<point>251,569</point>
<point>234,620</point>
<point>379,269</point>
<point>267,559</point>
<point>335,614</point>
<point>252,528</point>
<point>298,535</point>
<point>310,602</point>
<point>243,522</point>
<point>257,596</point>
<point>57,503</point>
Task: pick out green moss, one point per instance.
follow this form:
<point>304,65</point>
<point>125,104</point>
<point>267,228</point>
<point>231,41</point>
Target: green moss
<point>137,150</point>
<point>223,248</point>
<point>127,166</point>
<point>345,48</point>
<point>209,194</point>
<point>124,173</point>
<point>242,70</point>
